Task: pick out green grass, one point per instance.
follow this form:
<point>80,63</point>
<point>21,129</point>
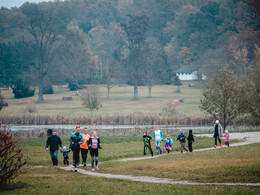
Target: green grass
<point>120,101</point>
<point>114,147</point>
<point>234,164</point>
<point>54,181</point>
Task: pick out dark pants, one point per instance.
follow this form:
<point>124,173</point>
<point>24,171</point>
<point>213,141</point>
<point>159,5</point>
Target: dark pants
<point>149,147</point>
<point>66,160</point>
<point>84,153</point>
<point>76,151</point>
<point>168,151</point>
<point>94,156</point>
<point>227,143</point>
<point>190,146</point>
<point>217,138</point>
<point>54,157</point>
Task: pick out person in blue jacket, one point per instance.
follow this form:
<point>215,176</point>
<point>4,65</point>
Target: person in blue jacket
<point>75,140</point>
<point>168,143</point>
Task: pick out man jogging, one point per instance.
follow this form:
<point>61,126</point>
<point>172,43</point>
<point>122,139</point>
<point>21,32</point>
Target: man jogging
<point>55,144</point>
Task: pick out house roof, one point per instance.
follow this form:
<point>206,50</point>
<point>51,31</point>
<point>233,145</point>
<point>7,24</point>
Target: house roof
<point>187,69</point>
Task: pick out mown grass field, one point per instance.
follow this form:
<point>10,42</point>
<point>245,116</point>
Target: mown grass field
<point>120,101</point>
<point>113,148</point>
<point>237,164</point>
<point>55,181</point>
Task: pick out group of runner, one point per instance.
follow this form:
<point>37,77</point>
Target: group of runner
<point>158,139</point>
<point>84,142</point>
<point>79,143</point>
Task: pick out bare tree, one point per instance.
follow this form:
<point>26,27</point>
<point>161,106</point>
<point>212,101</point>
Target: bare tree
<point>39,34</point>
<point>91,98</point>
<point>135,30</point>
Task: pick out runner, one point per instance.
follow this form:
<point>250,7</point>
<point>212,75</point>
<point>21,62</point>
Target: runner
<point>157,136</point>
<point>168,143</point>
<point>55,143</point>
<point>84,146</point>
<point>226,135</point>
<point>147,143</point>
<point>75,140</point>
<point>94,145</point>
<point>217,133</point>
<point>190,140</point>
<point>182,140</point>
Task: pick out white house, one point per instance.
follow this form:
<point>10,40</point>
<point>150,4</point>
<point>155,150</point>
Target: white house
<point>189,73</point>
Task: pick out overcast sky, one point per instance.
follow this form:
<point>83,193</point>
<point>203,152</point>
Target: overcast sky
<point>16,3</point>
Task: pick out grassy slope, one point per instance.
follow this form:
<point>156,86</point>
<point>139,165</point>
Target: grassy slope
<point>120,101</point>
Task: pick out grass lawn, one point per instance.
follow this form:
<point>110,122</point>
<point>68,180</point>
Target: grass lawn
<point>234,164</point>
<point>237,164</point>
<point>55,181</point>
<point>113,148</point>
<point>120,101</point>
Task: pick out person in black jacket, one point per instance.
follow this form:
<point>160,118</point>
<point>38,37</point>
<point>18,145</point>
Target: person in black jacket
<point>147,143</point>
<point>55,144</point>
<point>190,140</point>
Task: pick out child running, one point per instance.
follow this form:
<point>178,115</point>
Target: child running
<point>226,135</point>
<point>182,140</point>
<point>168,143</point>
<point>65,151</point>
<point>94,145</point>
<point>147,143</point>
<point>157,136</point>
<point>190,140</point>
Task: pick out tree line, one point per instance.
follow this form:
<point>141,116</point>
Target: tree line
<point>123,42</point>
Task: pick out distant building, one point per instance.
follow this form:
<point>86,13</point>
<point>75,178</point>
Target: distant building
<point>189,73</point>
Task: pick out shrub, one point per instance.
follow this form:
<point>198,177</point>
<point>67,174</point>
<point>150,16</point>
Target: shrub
<point>169,110</point>
<point>22,89</point>
<point>48,89</point>
<point>30,108</point>
<point>11,157</point>
<point>90,98</point>
<point>73,84</point>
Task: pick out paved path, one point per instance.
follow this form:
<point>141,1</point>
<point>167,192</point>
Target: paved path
<point>250,138</point>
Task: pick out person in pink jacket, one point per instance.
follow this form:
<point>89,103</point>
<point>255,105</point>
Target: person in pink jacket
<point>226,135</point>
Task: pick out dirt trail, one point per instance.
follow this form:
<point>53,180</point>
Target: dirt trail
<point>250,138</point>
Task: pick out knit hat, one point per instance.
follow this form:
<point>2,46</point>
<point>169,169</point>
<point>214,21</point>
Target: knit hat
<point>54,130</point>
<point>217,121</point>
<point>77,127</point>
<point>226,131</point>
<point>64,147</point>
